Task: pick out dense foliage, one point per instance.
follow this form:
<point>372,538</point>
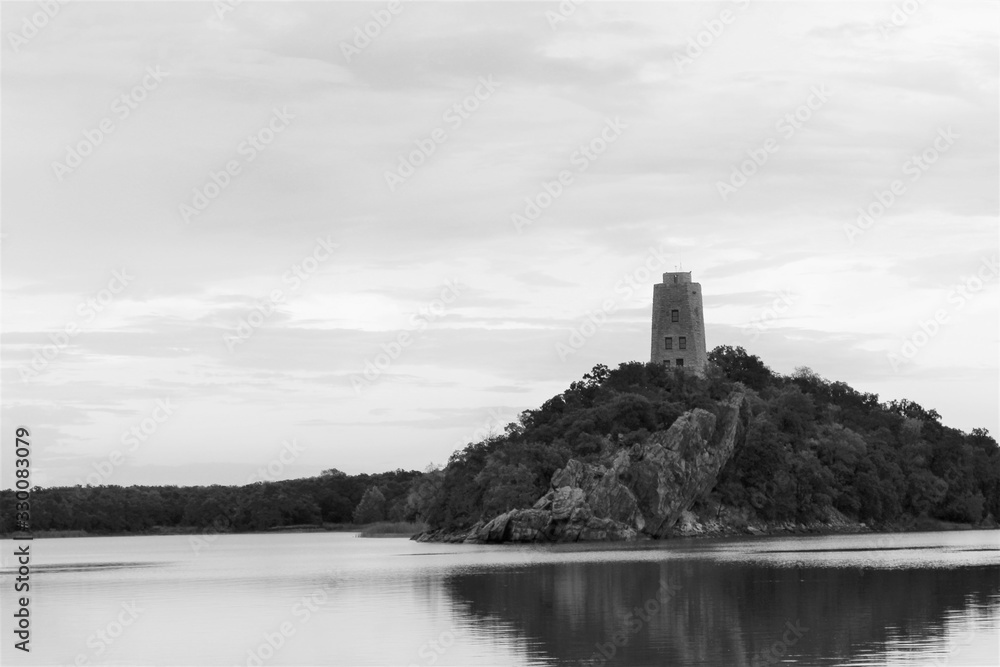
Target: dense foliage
<point>331,498</point>
<point>371,508</point>
<point>813,446</point>
<point>606,409</point>
<point>817,444</point>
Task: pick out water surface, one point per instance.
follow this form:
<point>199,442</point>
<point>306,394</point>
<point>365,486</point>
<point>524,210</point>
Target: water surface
<point>336,599</point>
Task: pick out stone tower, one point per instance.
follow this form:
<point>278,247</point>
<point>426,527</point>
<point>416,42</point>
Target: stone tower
<point>678,323</point>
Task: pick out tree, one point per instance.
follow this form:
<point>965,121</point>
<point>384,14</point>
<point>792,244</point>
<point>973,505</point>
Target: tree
<point>597,375</point>
<point>793,412</point>
<point>807,375</point>
<point>740,366</point>
<point>508,486</point>
<point>755,468</point>
<point>422,495</point>
<point>371,508</point>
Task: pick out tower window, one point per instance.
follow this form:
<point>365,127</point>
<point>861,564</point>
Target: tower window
<point>675,315</point>
<point>680,362</point>
<point>682,343</point>
<point>668,343</point>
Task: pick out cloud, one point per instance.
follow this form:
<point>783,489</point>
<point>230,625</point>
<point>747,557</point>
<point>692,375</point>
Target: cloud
<point>654,187</point>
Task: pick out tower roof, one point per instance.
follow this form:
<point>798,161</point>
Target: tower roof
<point>677,277</point>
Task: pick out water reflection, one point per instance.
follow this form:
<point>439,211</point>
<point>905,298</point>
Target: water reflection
<point>688,612</point>
<point>80,567</point>
<point>850,600</point>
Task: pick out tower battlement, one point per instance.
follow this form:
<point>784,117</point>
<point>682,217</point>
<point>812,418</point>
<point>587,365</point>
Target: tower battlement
<point>678,328</point>
<point>677,278</point>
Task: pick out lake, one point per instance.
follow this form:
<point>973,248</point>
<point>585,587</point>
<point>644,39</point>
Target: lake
<point>336,599</point>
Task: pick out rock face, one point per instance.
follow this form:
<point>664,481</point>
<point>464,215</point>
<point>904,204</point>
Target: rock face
<point>642,490</point>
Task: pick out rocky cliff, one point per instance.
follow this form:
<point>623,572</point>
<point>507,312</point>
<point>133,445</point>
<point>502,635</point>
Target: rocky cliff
<point>639,490</point>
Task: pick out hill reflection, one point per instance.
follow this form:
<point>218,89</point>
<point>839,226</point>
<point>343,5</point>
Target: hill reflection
<point>694,612</point>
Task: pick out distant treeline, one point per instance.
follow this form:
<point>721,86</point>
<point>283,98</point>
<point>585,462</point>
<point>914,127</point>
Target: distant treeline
<point>332,497</point>
<point>812,445</point>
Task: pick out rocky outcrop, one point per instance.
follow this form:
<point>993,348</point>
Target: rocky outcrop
<point>732,521</point>
<point>566,517</point>
<point>639,490</point>
<point>672,470</point>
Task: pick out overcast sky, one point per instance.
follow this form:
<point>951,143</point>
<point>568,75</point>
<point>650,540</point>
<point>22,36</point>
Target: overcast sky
<point>737,139</point>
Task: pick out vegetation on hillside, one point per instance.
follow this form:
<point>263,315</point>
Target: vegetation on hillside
<point>812,445</point>
<point>816,444</point>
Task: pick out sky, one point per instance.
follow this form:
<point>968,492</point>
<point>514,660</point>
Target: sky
<point>252,240</point>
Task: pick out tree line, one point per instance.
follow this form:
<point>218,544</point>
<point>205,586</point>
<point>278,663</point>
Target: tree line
<point>813,445</point>
<point>333,497</point>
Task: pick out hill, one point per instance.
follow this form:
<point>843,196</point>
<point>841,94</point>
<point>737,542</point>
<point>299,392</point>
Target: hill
<point>810,449</point>
<point>814,451</point>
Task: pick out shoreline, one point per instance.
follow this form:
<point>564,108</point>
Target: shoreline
<point>751,531</point>
<point>55,534</point>
<point>777,529</point>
